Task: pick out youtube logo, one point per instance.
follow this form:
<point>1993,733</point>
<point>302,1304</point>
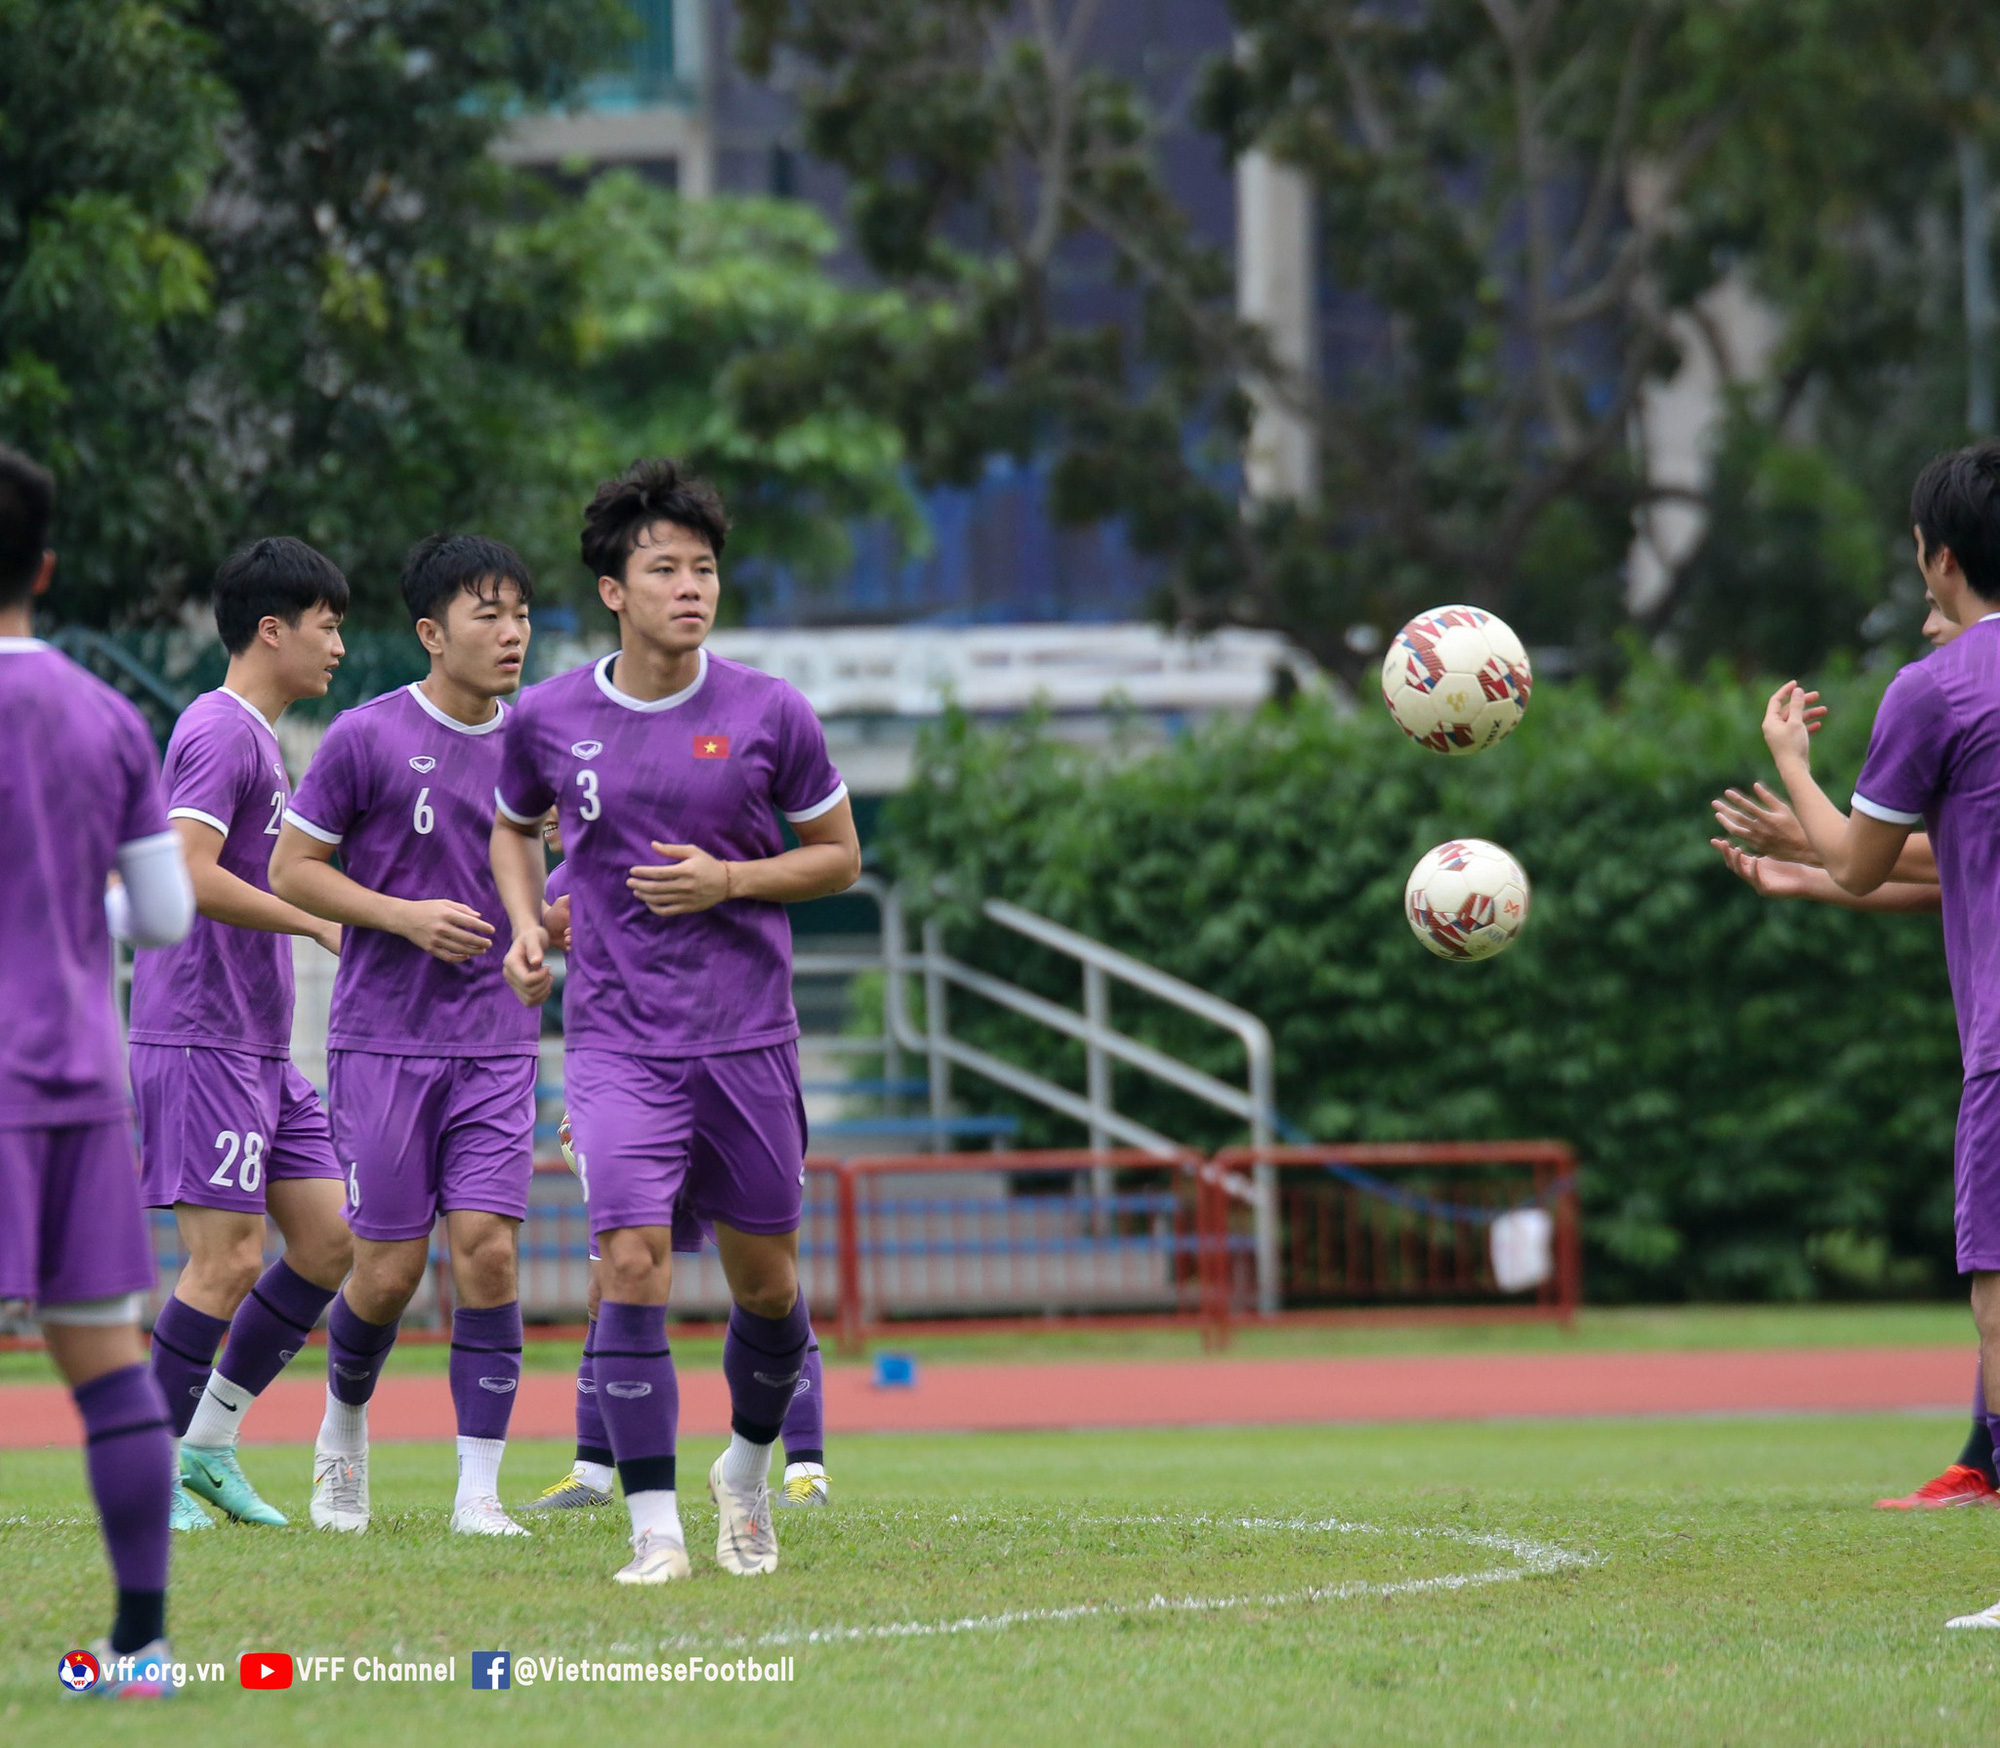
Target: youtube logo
<point>265,1669</point>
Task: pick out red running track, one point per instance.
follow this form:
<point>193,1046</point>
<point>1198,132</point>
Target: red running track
<point>1218,1392</point>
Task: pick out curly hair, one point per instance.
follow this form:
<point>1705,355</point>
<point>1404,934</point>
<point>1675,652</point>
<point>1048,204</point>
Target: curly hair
<point>657,490</point>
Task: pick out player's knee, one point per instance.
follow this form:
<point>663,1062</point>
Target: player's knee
<point>486,1272</point>
<point>384,1281</point>
<point>771,1296</point>
<point>226,1270</point>
<point>323,1257</point>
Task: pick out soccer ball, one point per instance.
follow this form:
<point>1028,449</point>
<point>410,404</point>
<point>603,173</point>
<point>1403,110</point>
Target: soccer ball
<point>1456,679</point>
<point>1467,899</point>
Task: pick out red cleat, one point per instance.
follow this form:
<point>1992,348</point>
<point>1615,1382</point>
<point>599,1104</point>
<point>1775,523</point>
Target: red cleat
<point>1958,1485</point>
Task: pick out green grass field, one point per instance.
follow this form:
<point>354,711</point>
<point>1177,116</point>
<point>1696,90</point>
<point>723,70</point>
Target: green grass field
<point>1719,1581</point>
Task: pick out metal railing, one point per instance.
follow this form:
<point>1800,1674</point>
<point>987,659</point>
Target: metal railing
<point>1254,1102</point>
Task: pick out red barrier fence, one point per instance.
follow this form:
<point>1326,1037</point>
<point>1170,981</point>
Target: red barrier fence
<point>964,1241</point>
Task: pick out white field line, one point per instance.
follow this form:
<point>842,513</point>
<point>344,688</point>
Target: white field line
<point>1534,1559</point>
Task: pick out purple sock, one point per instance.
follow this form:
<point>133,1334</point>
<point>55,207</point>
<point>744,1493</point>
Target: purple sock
<point>805,1419</point>
<point>485,1368</point>
<point>356,1352</point>
<point>184,1344</point>
<point>130,1455</point>
<point>762,1358</point>
<point>271,1326</point>
<point>593,1443</point>
<point>638,1392</point>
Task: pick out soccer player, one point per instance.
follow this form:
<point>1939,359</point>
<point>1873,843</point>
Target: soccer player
<point>1934,760</point>
<point>1779,863</point>
<point>431,1061</point>
<point>229,1130</point>
<point>588,1483</point>
<point>81,791</point>
<point>674,771</point>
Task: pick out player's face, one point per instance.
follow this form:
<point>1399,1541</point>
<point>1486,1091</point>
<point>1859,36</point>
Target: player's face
<point>308,652</point>
<point>1938,630</point>
<point>483,639</point>
<point>552,831</point>
<point>667,595</point>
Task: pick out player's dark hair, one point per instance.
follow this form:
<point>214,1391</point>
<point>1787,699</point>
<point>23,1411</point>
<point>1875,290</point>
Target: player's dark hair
<point>1956,503</point>
<point>622,509</point>
<point>277,577</point>
<point>27,506</point>
<point>442,566</point>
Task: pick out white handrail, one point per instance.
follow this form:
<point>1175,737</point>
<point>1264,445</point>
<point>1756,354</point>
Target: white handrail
<point>1255,1102</point>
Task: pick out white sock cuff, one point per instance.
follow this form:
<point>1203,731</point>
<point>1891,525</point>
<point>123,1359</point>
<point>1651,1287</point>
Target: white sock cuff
<point>345,1427</point>
<point>218,1416</point>
<point>479,1467</point>
<point>656,1509</point>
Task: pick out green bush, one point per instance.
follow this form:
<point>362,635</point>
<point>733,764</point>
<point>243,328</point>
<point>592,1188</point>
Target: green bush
<point>1762,1093</point>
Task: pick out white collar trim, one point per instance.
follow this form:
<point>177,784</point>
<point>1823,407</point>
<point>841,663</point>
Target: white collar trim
<point>1982,619</point>
<point>20,645</point>
<point>423,703</point>
<point>264,720</point>
<point>610,691</point>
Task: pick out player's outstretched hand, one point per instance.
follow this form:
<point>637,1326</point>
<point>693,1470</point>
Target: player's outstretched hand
<point>555,923</point>
<point>1765,874</point>
<point>527,973</point>
<point>446,929</point>
<point>1764,825</point>
<point>693,881</point>
<point>1790,721</point>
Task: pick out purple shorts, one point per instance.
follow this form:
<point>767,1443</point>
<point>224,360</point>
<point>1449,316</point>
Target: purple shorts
<point>724,1134</point>
<point>1976,1176</point>
<point>423,1135</point>
<point>71,1226</point>
<point>215,1126</point>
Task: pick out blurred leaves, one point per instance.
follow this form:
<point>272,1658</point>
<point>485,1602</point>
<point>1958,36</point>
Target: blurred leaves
<point>259,271</point>
<point>1763,1093</point>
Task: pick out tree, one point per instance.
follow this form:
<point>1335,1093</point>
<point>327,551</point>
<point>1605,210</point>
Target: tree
<point>260,271</point>
<point>1525,206</point>
<point>108,112</point>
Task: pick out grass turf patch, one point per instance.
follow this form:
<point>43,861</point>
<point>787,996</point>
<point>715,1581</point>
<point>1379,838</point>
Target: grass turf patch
<point>1738,1589</point>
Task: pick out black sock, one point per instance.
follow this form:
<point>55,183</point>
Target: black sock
<point>792,1456</point>
<point>142,1618</point>
<point>1978,1452</point>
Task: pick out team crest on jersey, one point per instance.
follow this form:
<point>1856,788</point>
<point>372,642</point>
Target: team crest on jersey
<point>711,746</point>
<point>423,762</point>
<point>587,749</point>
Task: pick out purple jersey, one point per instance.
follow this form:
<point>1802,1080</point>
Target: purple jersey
<point>407,794</point>
<point>718,765</point>
<point>81,779</point>
<point>1934,760</point>
<point>223,987</point>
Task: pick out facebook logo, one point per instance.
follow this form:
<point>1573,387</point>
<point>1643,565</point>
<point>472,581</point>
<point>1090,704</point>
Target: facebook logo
<point>491,1668</point>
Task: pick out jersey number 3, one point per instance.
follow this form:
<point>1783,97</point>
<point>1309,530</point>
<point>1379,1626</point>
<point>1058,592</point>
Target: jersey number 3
<point>590,806</point>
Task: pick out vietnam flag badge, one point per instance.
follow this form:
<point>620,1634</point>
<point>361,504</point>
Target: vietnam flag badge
<point>711,746</point>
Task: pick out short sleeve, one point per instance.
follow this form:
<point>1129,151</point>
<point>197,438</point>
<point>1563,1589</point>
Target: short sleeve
<point>805,784</point>
<point>557,884</point>
<point>145,812</point>
<point>524,792</point>
<point>328,799</point>
<point>1909,750</point>
<point>210,775</point>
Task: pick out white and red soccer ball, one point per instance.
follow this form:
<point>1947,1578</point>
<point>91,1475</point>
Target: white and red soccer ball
<point>1466,899</point>
<point>1456,679</point>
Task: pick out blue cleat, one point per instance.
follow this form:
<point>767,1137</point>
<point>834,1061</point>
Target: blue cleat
<point>216,1475</point>
<point>142,1674</point>
<point>187,1513</point>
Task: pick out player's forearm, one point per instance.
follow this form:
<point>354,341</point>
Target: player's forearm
<point>223,897</point>
<point>810,871</point>
<point>1898,896</point>
<point>1916,866</point>
<point>337,897</point>
<point>518,872</point>
<point>1825,826</point>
